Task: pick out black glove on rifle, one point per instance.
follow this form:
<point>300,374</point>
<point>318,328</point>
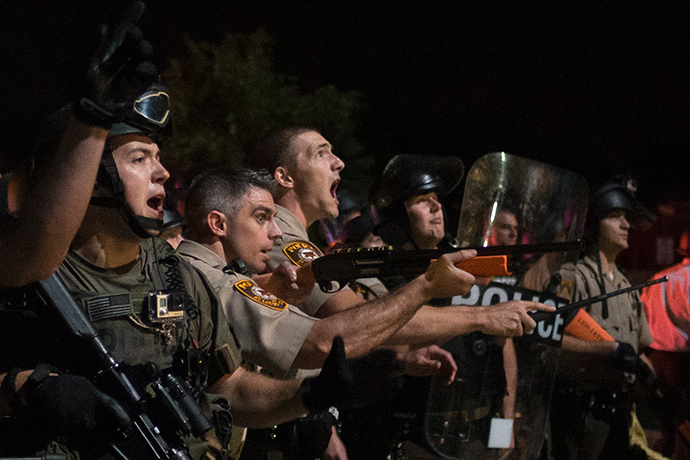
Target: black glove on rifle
<point>118,72</point>
<point>70,405</point>
<point>353,383</point>
<point>308,437</point>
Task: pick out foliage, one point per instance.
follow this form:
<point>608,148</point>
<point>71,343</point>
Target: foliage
<point>225,95</point>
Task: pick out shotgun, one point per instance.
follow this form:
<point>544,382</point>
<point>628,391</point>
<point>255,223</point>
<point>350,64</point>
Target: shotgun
<point>348,265</point>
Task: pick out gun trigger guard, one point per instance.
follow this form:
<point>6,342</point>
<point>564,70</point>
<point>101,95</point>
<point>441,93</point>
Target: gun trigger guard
<point>329,288</point>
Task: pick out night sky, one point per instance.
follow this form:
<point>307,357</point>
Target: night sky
<point>593,88</point>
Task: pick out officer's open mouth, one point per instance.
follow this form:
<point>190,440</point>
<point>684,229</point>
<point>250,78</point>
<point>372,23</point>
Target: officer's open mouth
<point>156,202</point>
<point>334,187</point>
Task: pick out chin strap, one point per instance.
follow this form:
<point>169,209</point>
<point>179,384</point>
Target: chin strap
<point>138,224</point>
<point>109,177</point>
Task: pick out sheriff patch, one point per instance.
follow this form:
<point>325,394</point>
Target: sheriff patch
<point>258,295</point>
<point>301,252</point>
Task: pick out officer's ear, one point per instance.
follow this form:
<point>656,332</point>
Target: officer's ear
<point>218,223</point>
<point>283,177</point>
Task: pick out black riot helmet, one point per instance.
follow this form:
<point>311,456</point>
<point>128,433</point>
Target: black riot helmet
<point>407,176</point>
<point>149,116</point>
<point>610,196</point>
<point>616,194</point>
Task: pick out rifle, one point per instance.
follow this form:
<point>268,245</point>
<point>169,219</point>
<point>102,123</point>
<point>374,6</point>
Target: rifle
<point>139,437</point>
<point>347,265</point>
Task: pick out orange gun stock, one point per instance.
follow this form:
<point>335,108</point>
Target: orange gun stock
<point>486,266</point>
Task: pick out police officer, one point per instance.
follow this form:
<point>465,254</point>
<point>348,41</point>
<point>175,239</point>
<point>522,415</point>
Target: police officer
<point>591,403</point>
<point>231,219</point>
<point>408,200</point>
<point>151,308</point>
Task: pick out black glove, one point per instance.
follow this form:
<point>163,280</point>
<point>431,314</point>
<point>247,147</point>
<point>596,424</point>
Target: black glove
<point>118,73</point>
<point>70,405</point>
<point>308,437</point>
<point>353,383</point>
<point>625,358</point>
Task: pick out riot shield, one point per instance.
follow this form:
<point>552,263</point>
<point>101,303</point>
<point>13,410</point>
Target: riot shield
<point>497,407</point>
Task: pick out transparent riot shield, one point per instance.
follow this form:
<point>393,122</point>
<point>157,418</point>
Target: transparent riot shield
<point>497,407</point>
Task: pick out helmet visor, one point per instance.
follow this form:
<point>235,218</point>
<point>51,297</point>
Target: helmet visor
<point>153,107</point>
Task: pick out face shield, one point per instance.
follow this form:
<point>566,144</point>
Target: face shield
<point>468,419</point>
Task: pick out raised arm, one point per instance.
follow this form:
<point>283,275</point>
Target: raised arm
<point>35,240</point>
<point>55,191</point>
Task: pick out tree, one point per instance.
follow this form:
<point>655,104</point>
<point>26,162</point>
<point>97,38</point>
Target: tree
<point>225,95</point>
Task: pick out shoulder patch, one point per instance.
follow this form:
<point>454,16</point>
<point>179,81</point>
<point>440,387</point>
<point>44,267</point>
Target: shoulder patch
<point>301,252</point>
<point>258,295</point>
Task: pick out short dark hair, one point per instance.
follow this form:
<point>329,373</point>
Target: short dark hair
<point>221,190</point>
<point>275,148</point>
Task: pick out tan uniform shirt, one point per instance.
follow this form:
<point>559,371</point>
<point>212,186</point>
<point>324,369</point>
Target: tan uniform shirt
<point>627,321</point>
<point>295,248</point>
<point>270,331</point>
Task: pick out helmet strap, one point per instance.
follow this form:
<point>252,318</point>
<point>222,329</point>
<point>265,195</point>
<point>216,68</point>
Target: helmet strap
<point>109,177</point>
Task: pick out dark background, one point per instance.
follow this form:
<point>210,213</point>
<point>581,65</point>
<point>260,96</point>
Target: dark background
<point>594,88</point>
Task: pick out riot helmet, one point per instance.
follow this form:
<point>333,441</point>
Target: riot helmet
<point>149,116</point>
<point>407,176</point>
<point>610,196</point>
<point>617,193</point>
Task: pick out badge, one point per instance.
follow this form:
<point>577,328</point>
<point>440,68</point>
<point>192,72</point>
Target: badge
<point>258,295</point>
<point>301,252</point>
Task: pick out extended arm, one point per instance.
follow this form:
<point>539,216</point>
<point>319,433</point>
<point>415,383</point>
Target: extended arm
<point>366,326</point>
<point>258,401</point>
<point>437,324</point>
<point>510,365</point>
